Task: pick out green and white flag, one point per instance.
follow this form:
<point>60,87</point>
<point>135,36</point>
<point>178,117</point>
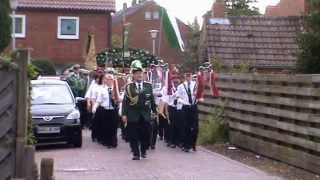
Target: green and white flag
<point>171,29</point>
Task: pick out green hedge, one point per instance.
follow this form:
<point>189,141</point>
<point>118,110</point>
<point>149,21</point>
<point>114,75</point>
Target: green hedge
<point>44,67</point>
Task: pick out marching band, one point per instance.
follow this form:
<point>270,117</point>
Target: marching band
<point>145,110</point>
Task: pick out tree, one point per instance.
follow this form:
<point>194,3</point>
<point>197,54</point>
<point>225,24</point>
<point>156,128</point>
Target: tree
<point>5,24</point>
<point>134,2</point>
<point>191,54</point>
<point>309,42</point>
<point>241,8</point>
<point>142,1</point>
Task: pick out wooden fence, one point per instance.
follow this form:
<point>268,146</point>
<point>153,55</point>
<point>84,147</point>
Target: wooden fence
<point>16,157</point>
<point>273,115</point>
<point>8,119</point>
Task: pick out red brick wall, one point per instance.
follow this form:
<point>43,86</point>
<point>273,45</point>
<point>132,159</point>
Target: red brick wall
<point>287,8</point>
<point>140,38</point>
<point>41,35</point>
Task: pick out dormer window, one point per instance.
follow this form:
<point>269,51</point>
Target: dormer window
<point>156,15</point>
<point>147,15</point>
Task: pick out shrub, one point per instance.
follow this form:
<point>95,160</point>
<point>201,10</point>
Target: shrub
<point>214,129</point>
<point>44,67</point>
<point>309,42</point>
<point>5,24</point>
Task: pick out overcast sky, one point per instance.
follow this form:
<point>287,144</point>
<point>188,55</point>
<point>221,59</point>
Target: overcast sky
<point>186,10</point>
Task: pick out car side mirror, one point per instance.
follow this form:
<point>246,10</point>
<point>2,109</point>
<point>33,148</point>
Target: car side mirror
<point>79,99</point>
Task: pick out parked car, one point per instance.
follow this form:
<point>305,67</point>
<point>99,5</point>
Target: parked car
<point>55,116</point>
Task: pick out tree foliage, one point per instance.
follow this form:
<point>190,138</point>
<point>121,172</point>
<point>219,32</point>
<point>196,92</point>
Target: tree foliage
<point>309,42</point>
<point>114,57</point>
<point>133,2</point>
<point>241,8</point>
<point>191,54</point>
<point>5,24</point>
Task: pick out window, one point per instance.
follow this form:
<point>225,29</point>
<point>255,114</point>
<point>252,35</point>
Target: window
<point>156,15</point>
<point>68,27</point>
<point>20,26</point>
<point>147,15</point>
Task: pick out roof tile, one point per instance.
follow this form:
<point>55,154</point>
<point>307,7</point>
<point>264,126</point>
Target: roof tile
<point>91,5</point>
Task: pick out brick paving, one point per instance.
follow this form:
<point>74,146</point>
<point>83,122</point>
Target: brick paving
<point>95,162</point>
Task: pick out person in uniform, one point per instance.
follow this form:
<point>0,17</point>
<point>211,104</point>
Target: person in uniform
<point>107,113</point>
<point>73,81</point>
<point>176,127</point>
<point>137,108</point>
<point>186,96</point>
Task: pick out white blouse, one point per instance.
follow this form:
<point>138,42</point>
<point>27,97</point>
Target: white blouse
<point>103,98</point>
<point>183,95</point>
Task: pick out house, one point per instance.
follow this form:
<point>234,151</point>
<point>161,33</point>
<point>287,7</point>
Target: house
<point>144,17</point>
<point>264,43</point>
<point>287,8</point>
<point>57,30</point>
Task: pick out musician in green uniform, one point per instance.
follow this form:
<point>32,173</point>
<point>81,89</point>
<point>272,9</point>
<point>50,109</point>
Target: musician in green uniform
<point>138,108</point>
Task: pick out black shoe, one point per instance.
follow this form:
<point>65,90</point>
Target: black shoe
<point>186,150</point>
<point>136,158</point>
<point>153,147</point>
<point>144,155</point>
<point>194,149</point>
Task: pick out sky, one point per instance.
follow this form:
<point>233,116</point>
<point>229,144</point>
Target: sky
<point>187,10</point>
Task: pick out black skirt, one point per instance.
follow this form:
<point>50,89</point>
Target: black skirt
<point>105,126</point>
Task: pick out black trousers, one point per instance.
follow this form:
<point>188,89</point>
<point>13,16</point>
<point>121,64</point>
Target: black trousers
<point>109,126</point>
<point>96,124</point>
<point>139,136</point>
<point>84,114</point>
<point>154,132</point>
<point>163,128</point>
<point>177,126</point>
<point>191,126</point>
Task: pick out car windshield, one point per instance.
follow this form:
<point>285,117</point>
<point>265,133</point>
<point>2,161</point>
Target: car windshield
<point>51,94</point>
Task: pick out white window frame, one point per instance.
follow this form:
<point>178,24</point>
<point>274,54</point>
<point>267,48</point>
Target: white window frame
<point>156,17</point>
<point>60,36</point>
<point>145,15</point>
<point>23,28</point>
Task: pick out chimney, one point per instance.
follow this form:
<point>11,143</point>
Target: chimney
<point>125,6</point>
<point>218,9</point>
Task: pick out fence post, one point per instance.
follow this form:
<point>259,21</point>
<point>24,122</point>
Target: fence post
<point>46,172</point>
<point>22,58</point>
<point>31,172</point>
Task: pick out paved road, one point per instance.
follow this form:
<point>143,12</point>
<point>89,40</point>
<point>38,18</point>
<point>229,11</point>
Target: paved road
<point>95,162</point>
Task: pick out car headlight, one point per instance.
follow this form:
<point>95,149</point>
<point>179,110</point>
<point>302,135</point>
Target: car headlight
<point>74,115</point>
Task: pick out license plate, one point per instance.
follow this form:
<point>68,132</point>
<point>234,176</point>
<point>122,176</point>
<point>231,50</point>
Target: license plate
<point>48,130</point>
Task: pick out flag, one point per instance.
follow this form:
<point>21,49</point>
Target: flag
<point>172,30</point>
<point>90,59</point>
<point>169,83</point>
<point>200,85</point>
<point>214,88</point>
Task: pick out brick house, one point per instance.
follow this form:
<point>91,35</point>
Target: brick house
<point>144,17</point>
<point>267,44</point>
<point>57,30</point>
<point>287,8</point>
